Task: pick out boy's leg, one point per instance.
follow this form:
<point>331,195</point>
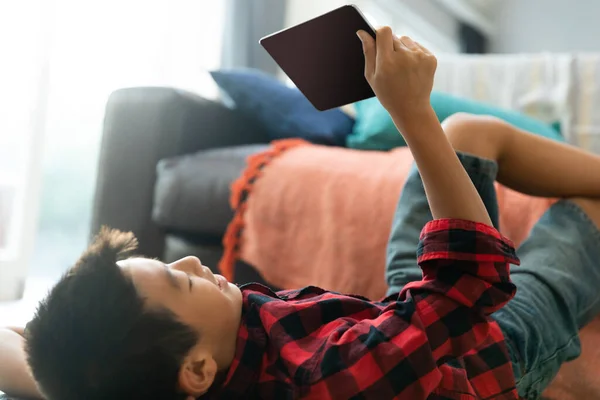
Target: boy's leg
<point>412,213</point>
<point>557,293</point>
<point>558,280</point>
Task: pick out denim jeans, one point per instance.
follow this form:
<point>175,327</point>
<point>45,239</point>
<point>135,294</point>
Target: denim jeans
<point>558,281</point>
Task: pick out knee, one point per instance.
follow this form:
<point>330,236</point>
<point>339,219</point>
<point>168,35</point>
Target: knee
<point>480,135</point>
<point>471,125</point>
<point>591,207</point>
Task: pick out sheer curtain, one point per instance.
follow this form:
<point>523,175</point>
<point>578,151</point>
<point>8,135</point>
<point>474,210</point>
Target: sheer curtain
<point>23,85</point>
<point>65,58</point>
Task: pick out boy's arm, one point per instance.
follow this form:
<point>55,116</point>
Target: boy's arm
<point>445,316</point>
<point>449,189</point>
<point>15,376</point>
<point>465,262</point>
<point>401,74</point>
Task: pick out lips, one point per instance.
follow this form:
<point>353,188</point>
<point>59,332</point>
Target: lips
<point>221,282</point>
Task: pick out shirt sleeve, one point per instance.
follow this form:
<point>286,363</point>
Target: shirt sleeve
<point>400,354</point>
<point>464,262</point>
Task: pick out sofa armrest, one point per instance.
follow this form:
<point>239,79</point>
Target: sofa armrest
<point>141,127</point>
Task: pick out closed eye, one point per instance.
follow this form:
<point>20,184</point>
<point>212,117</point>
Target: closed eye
<point>190,281</point>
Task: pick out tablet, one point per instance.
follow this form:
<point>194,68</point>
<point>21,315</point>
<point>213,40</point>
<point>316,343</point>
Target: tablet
<point>324,57</point>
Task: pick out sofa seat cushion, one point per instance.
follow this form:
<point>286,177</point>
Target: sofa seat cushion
<point>192,192</point>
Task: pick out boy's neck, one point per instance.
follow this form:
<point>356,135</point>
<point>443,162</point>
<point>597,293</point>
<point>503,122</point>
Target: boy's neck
<point>224,349</point>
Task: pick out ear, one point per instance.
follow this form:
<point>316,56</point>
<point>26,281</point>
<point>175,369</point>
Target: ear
<point>197,374</point>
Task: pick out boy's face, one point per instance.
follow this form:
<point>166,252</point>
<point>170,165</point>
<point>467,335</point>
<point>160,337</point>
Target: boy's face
<point>201,299</point>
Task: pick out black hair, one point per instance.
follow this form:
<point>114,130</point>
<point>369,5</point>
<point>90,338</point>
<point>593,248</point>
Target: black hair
<point>93,337</point>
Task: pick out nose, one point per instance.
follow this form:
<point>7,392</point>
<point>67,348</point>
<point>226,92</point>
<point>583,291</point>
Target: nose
<point>190,264</point>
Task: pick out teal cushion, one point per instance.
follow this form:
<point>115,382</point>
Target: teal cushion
<point>375,130</point>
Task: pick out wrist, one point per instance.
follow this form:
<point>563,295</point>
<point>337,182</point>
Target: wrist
<point>407,118</point>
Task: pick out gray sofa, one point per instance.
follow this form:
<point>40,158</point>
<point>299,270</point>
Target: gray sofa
<point>167,159</point>
<point>166,163</point>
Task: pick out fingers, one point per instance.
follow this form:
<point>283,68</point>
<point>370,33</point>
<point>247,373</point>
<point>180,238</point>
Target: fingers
<point>385,42</point>
<point>377,51</point>
<point>397,43</point>
<point>423,49</point>
<point>409,43</point>
<point>370,50</point>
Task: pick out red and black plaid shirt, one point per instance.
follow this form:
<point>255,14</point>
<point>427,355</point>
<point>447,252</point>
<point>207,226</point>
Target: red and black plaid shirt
<point>434,340</point>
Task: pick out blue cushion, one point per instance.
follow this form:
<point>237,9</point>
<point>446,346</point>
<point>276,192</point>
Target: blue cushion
<point>282,111</point>
<point>375,130</point>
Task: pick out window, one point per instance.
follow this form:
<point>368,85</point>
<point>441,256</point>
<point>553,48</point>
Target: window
<point>21,80</point>
<point>61,59</point>
<point>7,197</point>
<point>99,47</point>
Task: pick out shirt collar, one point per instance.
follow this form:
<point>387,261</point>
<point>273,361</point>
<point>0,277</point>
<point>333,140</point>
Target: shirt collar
<point>251,344</point>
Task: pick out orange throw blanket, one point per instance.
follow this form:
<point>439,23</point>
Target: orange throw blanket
<point>316,215</point>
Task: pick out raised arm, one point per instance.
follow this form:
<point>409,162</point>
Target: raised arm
<point>401,73</point>
<point>402,351</point>
<point>15,377</point>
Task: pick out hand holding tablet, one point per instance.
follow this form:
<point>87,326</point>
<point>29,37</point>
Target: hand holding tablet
<point>324,58</point>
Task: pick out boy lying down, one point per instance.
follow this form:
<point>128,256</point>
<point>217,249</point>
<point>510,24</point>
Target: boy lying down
<point>116,327</point>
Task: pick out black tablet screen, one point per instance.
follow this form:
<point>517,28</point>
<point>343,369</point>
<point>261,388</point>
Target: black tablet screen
<point>324,57</point>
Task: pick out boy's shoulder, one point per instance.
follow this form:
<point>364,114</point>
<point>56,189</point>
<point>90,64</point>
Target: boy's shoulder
<point>305,293</point>
<point>310,302</point>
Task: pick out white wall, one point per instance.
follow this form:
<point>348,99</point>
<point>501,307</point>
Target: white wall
<point>547,25</point>
<point>431,14</point>
<point>301,10</point>
<point>426,14</point>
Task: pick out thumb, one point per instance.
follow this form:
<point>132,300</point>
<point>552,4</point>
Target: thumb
<point>370,52</point>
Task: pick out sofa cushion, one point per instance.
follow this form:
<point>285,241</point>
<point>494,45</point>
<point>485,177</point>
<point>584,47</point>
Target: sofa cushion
<point>375,130</point>
<point>192,191</point>
<point>284,112</point>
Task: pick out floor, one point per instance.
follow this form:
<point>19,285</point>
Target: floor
<point>18,313</point>
<point>57,248</point>
<point>55,251</point>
